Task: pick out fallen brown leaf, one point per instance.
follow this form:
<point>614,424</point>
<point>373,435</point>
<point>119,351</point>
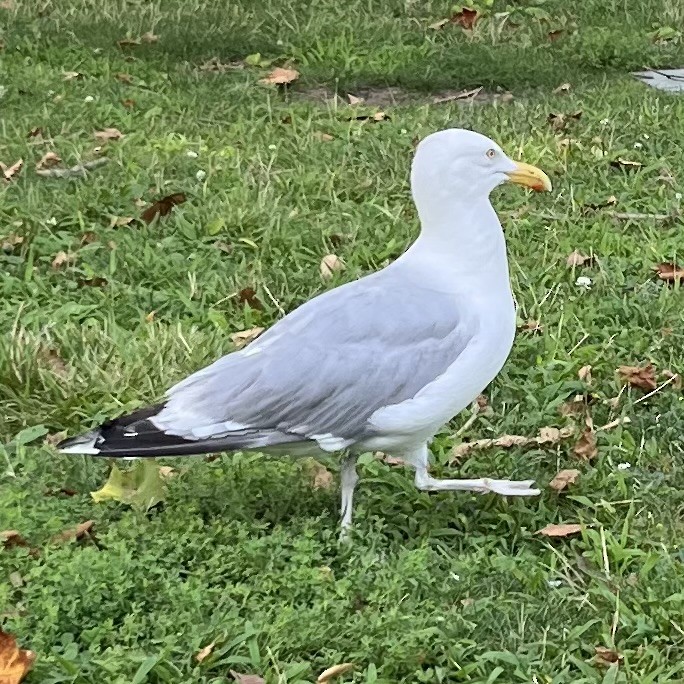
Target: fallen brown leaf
<point>531,326</point>
<point>118,221</point>
<point>625,164</point>
<point>9,172</point>
<point>353,100</point>
<point>95,281</point>
<point>15,662</point>
<point>108,134</point>
<point>205,652</point>
<point>54,361</point>
<point>247,678</point>
<point>642,377</point>
<point>576,258</point>
<point>606,656</point>
<point>391,460</point>
<point>128,42</point>
<point>562,530</point>
<point>124,78</point>
<point>88,237</point>
<point>77,533</point>
<point>467,18</point>
<point>248,295</point>
<point>163,206</point>
<point>547,436</point>
<point>563,479</point>
<point>334,671</point>
<point>330,264</point>
<point>584,374</point>
<point>62,259</point>
<point>71,75</point>
<point>55,438</point>
<point>321,477</point>
<point>559,122</point>
<point>223,246</point>
<point>10,538</point>
<point>149,37</point>
<point>585,448</point>
<point>48,160</point>
<point>244,337</point>
<point>280,76</point>
<point>669,272</point>
<point>128,103</point>
<point>553,36</point>
<point>575,407</point>
<point>11,241</point>
<point>439,24</point>
<point>7,4</point>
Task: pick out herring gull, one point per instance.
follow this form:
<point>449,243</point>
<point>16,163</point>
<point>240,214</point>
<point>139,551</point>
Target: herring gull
<point>378,364</point>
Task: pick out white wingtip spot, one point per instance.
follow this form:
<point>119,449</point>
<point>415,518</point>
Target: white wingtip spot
<point>80,449</point>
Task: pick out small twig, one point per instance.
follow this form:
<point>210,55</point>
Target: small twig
<point>475,412</point>
<point>656,390</point>
<point>614,423</point>
<point>463,95</point>
<point>276,303</point>
<point>604,553</point>
<point>78,171</point>
<point>630,216</point>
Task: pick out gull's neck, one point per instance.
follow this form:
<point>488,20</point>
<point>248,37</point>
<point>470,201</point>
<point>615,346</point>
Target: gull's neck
<point>461,246</point>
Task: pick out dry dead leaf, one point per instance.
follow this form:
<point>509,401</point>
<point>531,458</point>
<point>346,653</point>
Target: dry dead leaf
<point>71,75</point>
<point>15,662</point>
<point>118,221</point>
<point>11,241</point>
<point>248,295</point>
<point>563,479</point>
<point>36,132</point>
<point>353,100</point>
<point>531,326</point>
<point>223,246</point>
<point>10,538</point>
<point>7,4</point>
<point>575,407</point>
<point>553,36</point>
<point>48,160</point>
<point>124,78</point>
<point>439,24</point>
<point>562,530</point>
<point>163,206</point>
<point>128,42</point>
<point>378,116</point>
<point>669,272</point>
<point>562,89</point>
<point>334,671</point>
<point>206,651</point>
<point>280,76</point>
<point>77,533</point>
<point>167,472</point>
<point>108,134</point>
<point>467,602</point>
<point>584,374</point>
<point>323,137</point>
<point>150,316</point>
<point>585,448</point>
<point>244,337</point>
<point>55,438</point>
<point>149,37</point>
<point>52,358</point>
<point>576,258</point>
<point>391,460</point>
<point>625,164</point>
<point>642,377</point>
<point>247,678</point>
<point>62,259</point>
<point>606,656</point>
<point>559,122</point>
<point>675,377</point>
<point>10,172</point>
<point>467,18</point>
<point>547,436</point>
<point>128,103</point>
<point>321,477</point>
<point>330,264</point>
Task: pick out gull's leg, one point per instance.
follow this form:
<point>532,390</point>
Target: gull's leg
<point>348,479</point>
<point>419,460</point>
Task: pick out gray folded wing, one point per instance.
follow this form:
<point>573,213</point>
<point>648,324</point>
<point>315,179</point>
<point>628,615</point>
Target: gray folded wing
<point>324,369</point>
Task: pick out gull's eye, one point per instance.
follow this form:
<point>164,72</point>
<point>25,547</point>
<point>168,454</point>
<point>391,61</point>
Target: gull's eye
<point>491,153</point>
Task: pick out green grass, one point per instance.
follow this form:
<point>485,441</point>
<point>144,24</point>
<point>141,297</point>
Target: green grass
<point>434,588</point>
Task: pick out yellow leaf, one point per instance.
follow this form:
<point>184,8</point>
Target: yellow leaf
<point>334,671</point>
<point>14,661</point>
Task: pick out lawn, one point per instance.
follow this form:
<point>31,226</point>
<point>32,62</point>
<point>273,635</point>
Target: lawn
<point>244,553</point>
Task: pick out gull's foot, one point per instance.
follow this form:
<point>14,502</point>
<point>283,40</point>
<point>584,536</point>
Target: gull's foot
<point>510,487</point>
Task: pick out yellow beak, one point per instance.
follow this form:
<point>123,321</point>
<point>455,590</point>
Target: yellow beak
<point>530,177</point>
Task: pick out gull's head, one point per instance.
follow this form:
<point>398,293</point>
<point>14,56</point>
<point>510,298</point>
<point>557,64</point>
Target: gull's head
<point>457,162</point>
